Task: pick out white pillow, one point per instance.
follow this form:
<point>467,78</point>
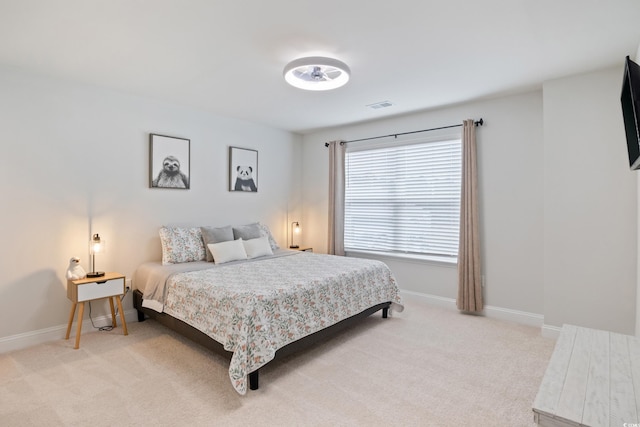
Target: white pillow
<point>232,250</point>
<point>257,247</point>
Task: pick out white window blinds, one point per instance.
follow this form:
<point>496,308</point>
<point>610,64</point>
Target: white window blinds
<point>404,199</point>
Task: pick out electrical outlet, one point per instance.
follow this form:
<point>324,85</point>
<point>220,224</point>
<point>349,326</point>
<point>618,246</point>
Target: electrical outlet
<point>127,285</point>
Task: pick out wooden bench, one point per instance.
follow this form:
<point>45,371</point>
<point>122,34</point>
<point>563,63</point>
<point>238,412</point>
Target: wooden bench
<point>593,379</point>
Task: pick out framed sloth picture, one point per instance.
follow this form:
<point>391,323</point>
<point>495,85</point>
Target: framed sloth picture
<point>169,162</point>
<point>243,169</point>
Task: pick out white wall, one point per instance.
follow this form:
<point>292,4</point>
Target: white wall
<point>590,205</point>
<point>77,163</point>
<point>510,178</point>
<point>557,203</point>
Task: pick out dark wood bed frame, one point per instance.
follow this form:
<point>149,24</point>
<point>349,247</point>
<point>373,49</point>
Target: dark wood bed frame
<point>203,339</point>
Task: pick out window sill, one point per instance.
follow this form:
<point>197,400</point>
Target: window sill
<point>422,259</point>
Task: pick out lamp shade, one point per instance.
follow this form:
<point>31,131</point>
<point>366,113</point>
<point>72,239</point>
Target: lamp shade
<point>96,245</point>
<point>316,73</point>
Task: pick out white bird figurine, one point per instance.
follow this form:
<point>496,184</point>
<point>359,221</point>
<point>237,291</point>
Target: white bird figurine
<point>75,270</point>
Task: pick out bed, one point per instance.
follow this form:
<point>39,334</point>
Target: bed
<point>267,303</point>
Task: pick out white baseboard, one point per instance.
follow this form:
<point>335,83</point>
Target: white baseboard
<point>550,331</point>
<point>507,314</point>
<point>522,317</point>
<point>433,299</point>
<point>17,342</point>
<point>28,339</point>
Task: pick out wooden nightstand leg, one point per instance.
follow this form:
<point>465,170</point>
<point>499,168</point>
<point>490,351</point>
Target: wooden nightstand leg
<point>113,312</point>
<point>79,331</point>
<point>73,312</point>
<point>124,322</point>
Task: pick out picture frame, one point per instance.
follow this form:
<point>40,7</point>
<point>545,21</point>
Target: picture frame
<point>169,162</point>
<point>243,170</point>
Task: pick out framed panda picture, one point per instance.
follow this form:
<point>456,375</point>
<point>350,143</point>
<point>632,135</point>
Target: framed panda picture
<point>169,162</point>
<point>243,170</point>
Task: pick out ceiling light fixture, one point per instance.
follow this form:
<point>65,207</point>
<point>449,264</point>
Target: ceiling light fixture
<point>316,73</point>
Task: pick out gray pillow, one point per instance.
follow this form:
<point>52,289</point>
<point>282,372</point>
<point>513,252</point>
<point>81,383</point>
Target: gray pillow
<point>215,235</point>
<point>247,232</point>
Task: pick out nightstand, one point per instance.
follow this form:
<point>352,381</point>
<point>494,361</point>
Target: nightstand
<point>111,286</point>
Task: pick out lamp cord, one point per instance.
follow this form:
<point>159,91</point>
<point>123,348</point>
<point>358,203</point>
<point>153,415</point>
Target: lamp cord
<point>106,327</point>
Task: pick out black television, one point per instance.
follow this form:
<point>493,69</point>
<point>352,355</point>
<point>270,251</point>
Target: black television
<point>630,99</point>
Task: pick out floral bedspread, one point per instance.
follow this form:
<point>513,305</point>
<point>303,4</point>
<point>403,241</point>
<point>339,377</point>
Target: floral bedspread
<point>255,308</point>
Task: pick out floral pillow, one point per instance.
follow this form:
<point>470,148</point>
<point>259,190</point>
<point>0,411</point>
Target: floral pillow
<point>181,244</point>
<point>264,231</point>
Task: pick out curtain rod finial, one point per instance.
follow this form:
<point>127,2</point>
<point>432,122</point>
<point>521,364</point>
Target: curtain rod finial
<point>479,122</point>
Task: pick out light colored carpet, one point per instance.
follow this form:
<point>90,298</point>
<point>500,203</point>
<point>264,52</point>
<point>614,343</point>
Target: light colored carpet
<point>427,366</point>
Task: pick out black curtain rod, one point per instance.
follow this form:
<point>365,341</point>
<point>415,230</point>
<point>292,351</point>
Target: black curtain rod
<point>395,135</point>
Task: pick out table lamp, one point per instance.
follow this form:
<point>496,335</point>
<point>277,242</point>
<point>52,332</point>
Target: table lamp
<point>295,229</point>
<point>96,245</point>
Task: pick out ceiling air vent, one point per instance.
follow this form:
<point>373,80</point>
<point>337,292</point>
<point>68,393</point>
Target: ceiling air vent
<point>378,105</point>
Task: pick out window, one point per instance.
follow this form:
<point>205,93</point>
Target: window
<point>404,199</point>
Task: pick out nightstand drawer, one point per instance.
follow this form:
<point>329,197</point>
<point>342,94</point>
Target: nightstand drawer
<point>100,289</point>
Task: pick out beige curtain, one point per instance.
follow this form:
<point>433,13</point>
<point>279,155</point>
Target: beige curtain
<point>336,198</point>
<point>469,273</point>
